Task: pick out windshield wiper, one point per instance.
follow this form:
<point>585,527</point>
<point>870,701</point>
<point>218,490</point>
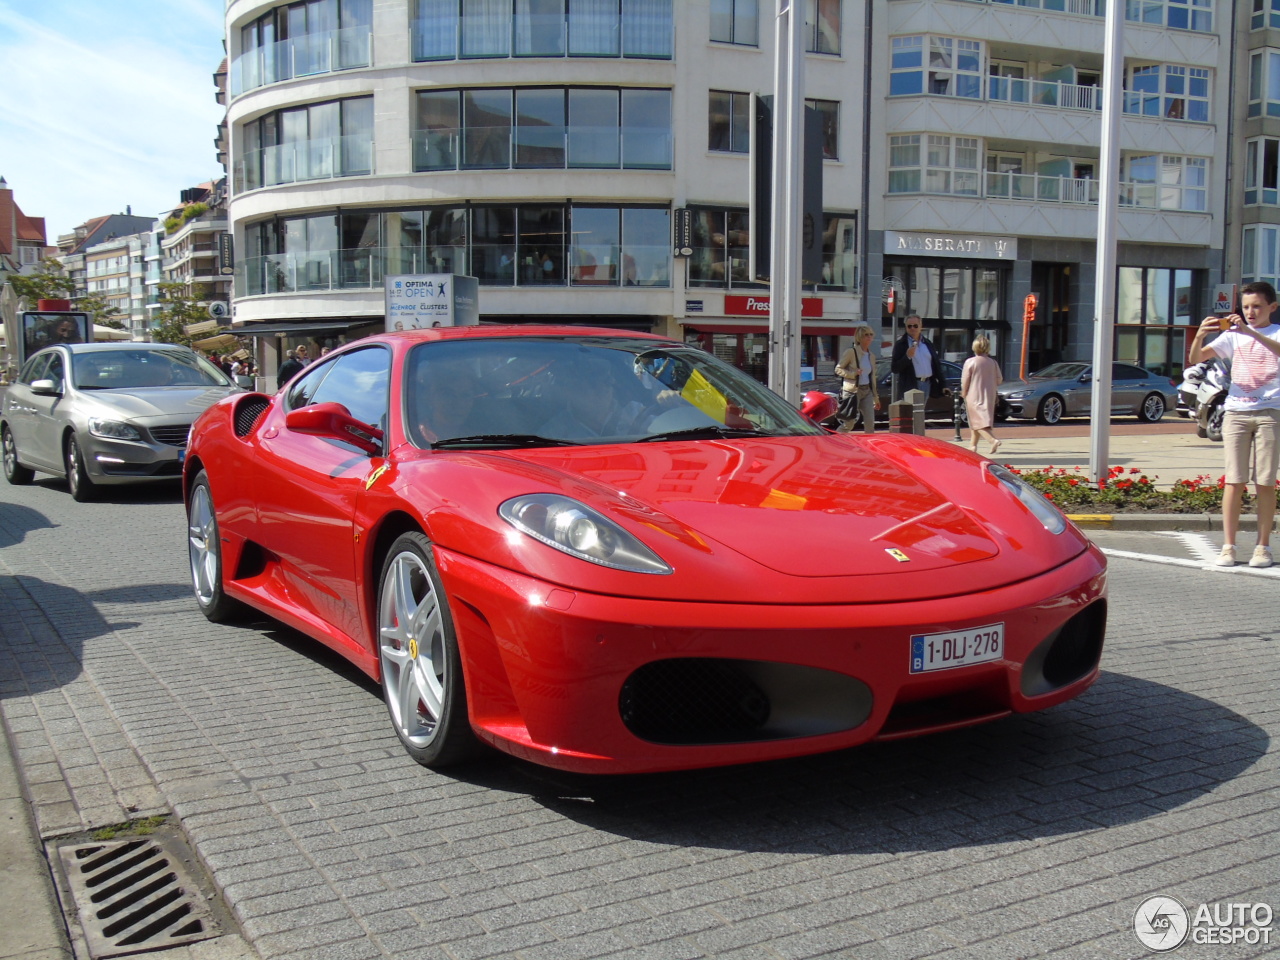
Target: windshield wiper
<point>502,440</point>
<point>711,431</point>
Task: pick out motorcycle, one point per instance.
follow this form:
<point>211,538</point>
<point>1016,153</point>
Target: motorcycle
<point>1204,393</point>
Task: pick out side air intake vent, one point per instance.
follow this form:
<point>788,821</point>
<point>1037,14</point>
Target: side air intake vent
<point>249,412</point>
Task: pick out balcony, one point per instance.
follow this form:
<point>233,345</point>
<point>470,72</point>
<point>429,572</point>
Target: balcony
<point>306,56</point>
<point>305,160</point>
<point>542,148</point>
<point>1038,188</point>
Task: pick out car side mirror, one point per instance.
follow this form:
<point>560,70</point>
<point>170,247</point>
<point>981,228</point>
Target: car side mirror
<point>46,388</point>
<point>335,421</point>
<point>1086,378</point>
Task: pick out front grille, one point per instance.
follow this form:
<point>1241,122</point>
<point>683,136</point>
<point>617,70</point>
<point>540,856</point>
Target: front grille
<point>174,436</point>
<point>693,701</point>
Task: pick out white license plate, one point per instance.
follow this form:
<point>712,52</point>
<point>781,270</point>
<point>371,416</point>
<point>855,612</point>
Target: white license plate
<point>942,651</point>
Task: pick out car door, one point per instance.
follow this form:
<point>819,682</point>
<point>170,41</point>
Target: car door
<point>1127,388</point>
<point>307,485</point>
<point>19,414</point>
<point>47,417</point>
<point>1077,394</point>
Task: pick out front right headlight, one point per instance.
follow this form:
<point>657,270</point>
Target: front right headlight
<point>574,528</point>
<point>113,429</point>
<point>1017,394</point>
<point>1045,512</point>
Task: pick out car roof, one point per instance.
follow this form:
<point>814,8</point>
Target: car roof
<point>135,345</point>
<point>494,330</point>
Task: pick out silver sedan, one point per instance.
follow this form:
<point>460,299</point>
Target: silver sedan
<point>105,413</point>
<point>1066,390</point>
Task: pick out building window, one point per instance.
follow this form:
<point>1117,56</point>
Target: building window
<point>950,164</point>
<point>484,29</point>
<point>1260,253</point>
<point>303,39</point>
<point>520,245</point>
<point>840,252</point>
<point>736,21</point>
<point>729,122</point>
<point>1151,304</point>
<point>1261,180</point>
<point>1164,182</point>
<point>822,26</point>
<point>1266,13</point>
<point>1178,14</point>
<point>954,68</point>
<point>310,142</point>
<point>542,128</point>
<point>829,116</point>
<point>722,251</point>
<point>1166,90</point>
<point>1264,83</point>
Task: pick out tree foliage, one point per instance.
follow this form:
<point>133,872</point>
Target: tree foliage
<point>47,282</point>
<point>100,311</point>
<point>180,309</point>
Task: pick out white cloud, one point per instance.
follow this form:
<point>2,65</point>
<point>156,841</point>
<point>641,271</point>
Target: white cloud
<point>111,106</point>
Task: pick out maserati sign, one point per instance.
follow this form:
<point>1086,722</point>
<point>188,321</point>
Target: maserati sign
<point>971,245</point>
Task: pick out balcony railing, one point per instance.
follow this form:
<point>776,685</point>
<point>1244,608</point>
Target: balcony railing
<point>305,160</point>
<point>1048,189</point>
<point>304,56</point>
<point>1080,8</point>
<point>1045,93</point>
<point>542,147</point>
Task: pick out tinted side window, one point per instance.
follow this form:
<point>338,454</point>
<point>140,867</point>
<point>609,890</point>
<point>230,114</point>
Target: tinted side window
<point>54,371</point>
<point>359,382</point>
<point>1122,371</point>
<point>34,369</point>
<point>304,386</point>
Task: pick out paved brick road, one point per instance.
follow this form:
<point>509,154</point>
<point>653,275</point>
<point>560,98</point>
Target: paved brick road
<point>1036,836</point>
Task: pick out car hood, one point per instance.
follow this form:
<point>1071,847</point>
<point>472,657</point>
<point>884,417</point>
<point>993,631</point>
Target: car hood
<point>802,506</point>
<point>141,403</point>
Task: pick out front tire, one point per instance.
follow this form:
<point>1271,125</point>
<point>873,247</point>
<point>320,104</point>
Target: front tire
<point>14,472</point>
<point>1152,409</point>
<point>422,680</point>
<point>78,479</point>
<point>204,547</point>
<point>1051,409</point>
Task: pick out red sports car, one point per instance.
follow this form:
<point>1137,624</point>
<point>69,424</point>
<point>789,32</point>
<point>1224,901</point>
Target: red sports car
<point>611,552</point>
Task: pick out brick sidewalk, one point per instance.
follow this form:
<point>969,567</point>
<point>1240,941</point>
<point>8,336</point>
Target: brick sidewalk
<point>1035,836</point>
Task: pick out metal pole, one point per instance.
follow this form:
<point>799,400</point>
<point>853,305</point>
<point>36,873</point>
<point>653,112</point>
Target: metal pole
<point>788,165</point>
<point>1105,258</point>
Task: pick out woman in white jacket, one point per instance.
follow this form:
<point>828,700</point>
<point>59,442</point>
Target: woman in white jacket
<point>857,368</point>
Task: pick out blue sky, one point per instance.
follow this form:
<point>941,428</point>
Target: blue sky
<point>106,104</point>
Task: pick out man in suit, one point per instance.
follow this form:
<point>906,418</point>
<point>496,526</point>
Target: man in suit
<point>917,363</point>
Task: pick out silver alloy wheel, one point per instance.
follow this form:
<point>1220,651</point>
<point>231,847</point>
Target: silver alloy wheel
<point>14,472</point>
<point>412,648</point>
<point>1051,409</point>
<point>1153,408</point>
<point>203,545</point>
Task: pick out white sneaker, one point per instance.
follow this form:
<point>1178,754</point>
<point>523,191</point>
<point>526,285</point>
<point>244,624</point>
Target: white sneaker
<point>1227,558</point>
<point>1261,557</point>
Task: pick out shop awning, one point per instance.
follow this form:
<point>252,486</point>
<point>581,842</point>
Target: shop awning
<point>223,341</point>
<point>298,328</point>
<point>827,329</point>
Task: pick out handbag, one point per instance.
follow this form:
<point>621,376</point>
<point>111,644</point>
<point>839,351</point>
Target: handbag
<point>848,407</point>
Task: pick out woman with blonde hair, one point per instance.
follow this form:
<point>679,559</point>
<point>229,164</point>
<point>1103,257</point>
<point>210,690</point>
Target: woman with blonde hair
<point>978,382</point>
<point>857,367</point>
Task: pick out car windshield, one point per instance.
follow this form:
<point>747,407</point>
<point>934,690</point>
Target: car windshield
<point>549,391</point>
<point>131,369</point>
<point>1062,371</point>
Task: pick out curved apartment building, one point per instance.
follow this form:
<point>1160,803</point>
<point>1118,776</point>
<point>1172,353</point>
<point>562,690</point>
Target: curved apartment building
<point>545,147</point>
<point>541,146</point>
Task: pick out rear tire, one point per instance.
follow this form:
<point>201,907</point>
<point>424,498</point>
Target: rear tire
<point>1152,409</point>
<point>1051,409</point>
<point>422,680</point>
<point>1213,428</point>
<point>14,472</point>
<point>79,482</point>
<point>204,547</point>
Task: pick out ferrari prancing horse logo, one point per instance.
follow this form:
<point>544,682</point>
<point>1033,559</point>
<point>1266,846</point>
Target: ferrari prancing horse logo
<point>413,649</point>
<point>897,554</point>
<point>373,477</point>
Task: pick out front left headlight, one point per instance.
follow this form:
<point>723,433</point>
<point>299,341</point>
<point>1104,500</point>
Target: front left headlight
<point>574,528</point>
<point>1034,501</point>
<point>113,429</point>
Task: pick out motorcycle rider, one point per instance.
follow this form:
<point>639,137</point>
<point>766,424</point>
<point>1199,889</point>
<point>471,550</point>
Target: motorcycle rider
<point>1252,420</point>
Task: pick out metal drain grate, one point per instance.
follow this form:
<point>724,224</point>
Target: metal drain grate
<point>134,895</point>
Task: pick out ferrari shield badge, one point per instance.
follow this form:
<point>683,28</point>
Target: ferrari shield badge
<point>372,478</point>
<point>897,554</point>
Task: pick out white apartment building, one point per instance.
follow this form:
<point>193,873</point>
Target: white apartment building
<point>544,147</point>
